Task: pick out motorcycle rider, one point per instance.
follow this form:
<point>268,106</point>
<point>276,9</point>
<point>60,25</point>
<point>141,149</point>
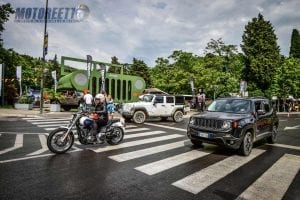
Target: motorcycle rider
<point>99,115</point>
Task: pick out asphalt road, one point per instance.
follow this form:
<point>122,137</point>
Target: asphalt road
<point>155,161</point>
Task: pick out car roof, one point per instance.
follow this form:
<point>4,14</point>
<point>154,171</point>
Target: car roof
<point>246,98</point>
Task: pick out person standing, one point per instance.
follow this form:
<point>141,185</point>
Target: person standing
<point>110,107</point>
<point>88,100</point>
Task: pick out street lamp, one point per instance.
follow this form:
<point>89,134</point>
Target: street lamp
<point>45,50</point>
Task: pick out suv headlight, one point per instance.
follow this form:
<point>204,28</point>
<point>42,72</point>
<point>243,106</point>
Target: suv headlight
<point>226,124</point>
<point>192,120</point>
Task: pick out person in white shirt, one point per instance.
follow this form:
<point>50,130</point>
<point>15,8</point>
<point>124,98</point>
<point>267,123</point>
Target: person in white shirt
<point>88,100</point>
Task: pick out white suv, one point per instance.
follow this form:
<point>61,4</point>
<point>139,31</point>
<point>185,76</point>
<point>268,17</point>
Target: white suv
<point>151,105</point>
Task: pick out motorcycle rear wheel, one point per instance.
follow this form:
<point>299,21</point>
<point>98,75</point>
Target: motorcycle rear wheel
<point>117,136</point>
<point>56,145</point>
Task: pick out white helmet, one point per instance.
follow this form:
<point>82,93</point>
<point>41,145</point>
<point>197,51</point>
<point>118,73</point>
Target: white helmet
<point>100,96</point>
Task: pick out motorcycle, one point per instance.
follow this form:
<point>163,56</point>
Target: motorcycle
<point>61,139</point>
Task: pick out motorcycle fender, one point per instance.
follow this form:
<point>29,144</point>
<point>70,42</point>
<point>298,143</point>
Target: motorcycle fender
<point>118,124</point>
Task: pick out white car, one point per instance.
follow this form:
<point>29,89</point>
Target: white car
<point>153,105</point>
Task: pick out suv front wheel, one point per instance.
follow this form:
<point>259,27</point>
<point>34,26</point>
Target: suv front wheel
<point>247,144</point>
<point>178,116</point>
<point>139,117</point>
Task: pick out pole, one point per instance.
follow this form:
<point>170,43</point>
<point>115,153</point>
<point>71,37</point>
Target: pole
<point>44,62</point>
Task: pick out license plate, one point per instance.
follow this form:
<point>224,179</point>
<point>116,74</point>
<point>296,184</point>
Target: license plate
<point>205,135</point>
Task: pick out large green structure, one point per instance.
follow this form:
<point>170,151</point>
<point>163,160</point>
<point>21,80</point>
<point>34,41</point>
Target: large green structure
<point>123,88</point>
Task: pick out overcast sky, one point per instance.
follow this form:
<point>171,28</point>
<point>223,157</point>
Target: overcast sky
<point>147,29</point>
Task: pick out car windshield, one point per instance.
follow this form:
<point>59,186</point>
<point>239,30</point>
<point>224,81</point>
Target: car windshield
<point>238,106</point>
<point>147,98</point>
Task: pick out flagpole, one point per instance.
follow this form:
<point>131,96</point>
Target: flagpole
<point>45,46</point>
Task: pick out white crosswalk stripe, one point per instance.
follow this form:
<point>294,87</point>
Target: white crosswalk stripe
<point>274,183</point>
<point>44,148</point>
<point>136,143</point>
<point>148,151</point>
<point>198,181</point>
<point>162,165</point>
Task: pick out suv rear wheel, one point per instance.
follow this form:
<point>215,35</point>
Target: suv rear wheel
<point>247,144</point>
<point>178,116</point>
<point>139,117</point>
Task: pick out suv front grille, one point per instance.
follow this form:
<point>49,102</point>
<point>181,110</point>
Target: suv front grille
<point>209,123</point>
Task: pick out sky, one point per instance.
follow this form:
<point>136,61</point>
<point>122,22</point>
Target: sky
<point>146,29</point>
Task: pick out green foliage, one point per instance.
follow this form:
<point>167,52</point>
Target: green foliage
<point>295,44</point>
<point>5,11</point>
<point>261,53</point>
<point>139,68</point>
<point>25,99</point>
<point>53,96</point>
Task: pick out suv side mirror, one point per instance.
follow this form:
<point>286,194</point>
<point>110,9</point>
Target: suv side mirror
<point>261,112</point>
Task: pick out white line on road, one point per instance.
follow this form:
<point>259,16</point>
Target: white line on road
<point>198,181</point>
<point>167,127</point>
<point>165,164</point>
<point>136,143</point>
<point>46,120</point>
<point>137,129</point>
<point>49,125</point>
<point>274,183</point>
<point>148,151</point>
<point>44,148</point>
<point>143,134</point>
<point>285,146</point>
<point>51,122</point>
<point>18,144</point>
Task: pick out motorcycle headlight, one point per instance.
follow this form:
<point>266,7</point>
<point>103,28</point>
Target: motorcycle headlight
<point>226,124</point>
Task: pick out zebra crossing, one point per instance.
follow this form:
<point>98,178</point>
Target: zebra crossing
<point>264,187</point>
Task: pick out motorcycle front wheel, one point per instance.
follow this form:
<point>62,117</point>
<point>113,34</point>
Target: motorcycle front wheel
<point>55,142</point>
<point>117,136</point>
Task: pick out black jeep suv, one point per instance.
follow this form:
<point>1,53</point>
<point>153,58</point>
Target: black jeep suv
<point>235,123</point>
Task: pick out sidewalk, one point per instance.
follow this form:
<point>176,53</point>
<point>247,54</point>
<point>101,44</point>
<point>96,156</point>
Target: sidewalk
<point>11,112</point>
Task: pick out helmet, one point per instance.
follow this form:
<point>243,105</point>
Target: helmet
<point>100,96</point>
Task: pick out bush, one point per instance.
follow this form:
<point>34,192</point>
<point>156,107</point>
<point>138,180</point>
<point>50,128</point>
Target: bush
<point>25,99</point>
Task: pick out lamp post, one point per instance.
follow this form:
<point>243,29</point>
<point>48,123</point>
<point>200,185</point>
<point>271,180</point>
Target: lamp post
<point>89,59</point>
<point>103,71</point>
<point>45,48</point>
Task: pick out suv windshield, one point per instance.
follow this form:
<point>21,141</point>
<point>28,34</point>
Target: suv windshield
<point>230,105</point>
<point>147,98</point>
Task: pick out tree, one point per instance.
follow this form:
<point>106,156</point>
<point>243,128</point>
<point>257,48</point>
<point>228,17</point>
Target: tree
<point>114,69</point>
<point>261,51</point>
<point>139,68</point>
<point>5,11</point>
<point>295,44</point>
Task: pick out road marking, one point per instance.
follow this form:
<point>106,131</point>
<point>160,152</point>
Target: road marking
<point>136,143</point>
<point>44,148</point>
<point>167,127</point>
<point>143,134</point>
<point>285,146</point>
<point>37,156</point>
<point>291,127</point>
<point>130,126</point>
<point>15,133</point>
<point>198,181</point>
<point>49,125</point>
<point>137,129</point>
<point>165,164</point>
<point>44,122</point>
<point>148,151</point>
<point>274,183</point>
<point>18,144</point>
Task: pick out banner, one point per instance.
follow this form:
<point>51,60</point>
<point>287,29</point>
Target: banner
<point>19,77</point>
<point>53,74</point>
